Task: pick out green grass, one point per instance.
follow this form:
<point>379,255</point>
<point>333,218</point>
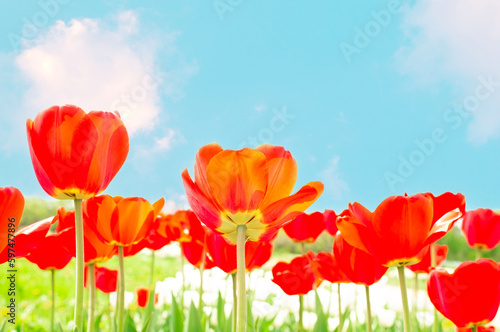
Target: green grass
<point>33,289</point>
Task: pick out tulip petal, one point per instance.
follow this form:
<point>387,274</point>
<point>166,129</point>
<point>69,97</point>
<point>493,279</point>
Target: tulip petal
<point>238,179</point>
<point>201,205</point>
<point>282,172</point>
<point>203,157</point>
<point>284,210</point>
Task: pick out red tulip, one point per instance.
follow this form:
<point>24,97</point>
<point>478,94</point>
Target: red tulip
<point>195,250</point>
<point>51,253</point>
<point>424,266</point>
<point>120,221</point>
<point>142,296</point>
<point>105,279</point>
<point>306,227</point>
<point>325,267</point>
<point>359,266</point>
<point>331,222</point>
<point>94,249</point>
<point>481,228</point>
<point>468,297</point>
<point>480,328</point>
<point>28,238</point>
<point>249,187</point>
<point>401,226</point>
<point>74,154</point>
<point>296,277</point>
<point>11,211</point>
<point>224,254</point>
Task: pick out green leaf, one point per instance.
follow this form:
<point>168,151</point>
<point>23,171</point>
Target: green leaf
<point>97,322</point>
<point>229,323</point>
<point>3,326</point>
<point>322,320</point>
<point>176,319</point>
<point>250,320</point>
<point>221,316</point>
<point>147,323</point>
<point>149,310</point>
<point>193,321</point>
<point>129,323</point>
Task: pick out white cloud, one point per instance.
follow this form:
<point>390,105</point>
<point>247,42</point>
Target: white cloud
<point>175,203</point>
<point>456,40</point>
<point>335,186</point>
<point>97,66</point>
<point>165,143</point>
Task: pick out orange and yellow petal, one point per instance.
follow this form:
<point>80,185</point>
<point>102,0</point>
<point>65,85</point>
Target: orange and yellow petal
<point>282,172</point>
<point>238,179</point>
<point>203,157</point>
<point>202,206</point>
<point>284,210</point>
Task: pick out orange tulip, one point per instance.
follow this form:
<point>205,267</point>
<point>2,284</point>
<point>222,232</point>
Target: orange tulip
<point>120,221</point>
<point>76,155</point>
<point>11,211</point>
<point>248,187</point>
<point>401,226</point>
<point>173,226</point>
<point>94,249</point>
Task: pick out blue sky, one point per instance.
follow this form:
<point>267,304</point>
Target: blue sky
<point>374,99</point>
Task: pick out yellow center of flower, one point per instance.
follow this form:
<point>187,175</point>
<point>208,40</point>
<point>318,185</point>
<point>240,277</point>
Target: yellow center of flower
<point>252,219</point>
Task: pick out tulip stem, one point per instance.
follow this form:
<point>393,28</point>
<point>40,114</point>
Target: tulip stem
<point>301,313</point>
<point>121,291</point>
<point>92,292</point>
<point>235,300</point>
<point>478,253</point>
<point>240,264</point>
<point>433,266</point>
<point>341,321</point>
<point>202,265</point>
<point>436,321</point>
<point>53,277</point>
<point>404,297</point>
<point>183,279</point>
<point>151,271</point>
<point>303,247</point>
<point>368,310</point>
<point>80,268</point>
<point>474,328</point>
<point>415,295</point>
